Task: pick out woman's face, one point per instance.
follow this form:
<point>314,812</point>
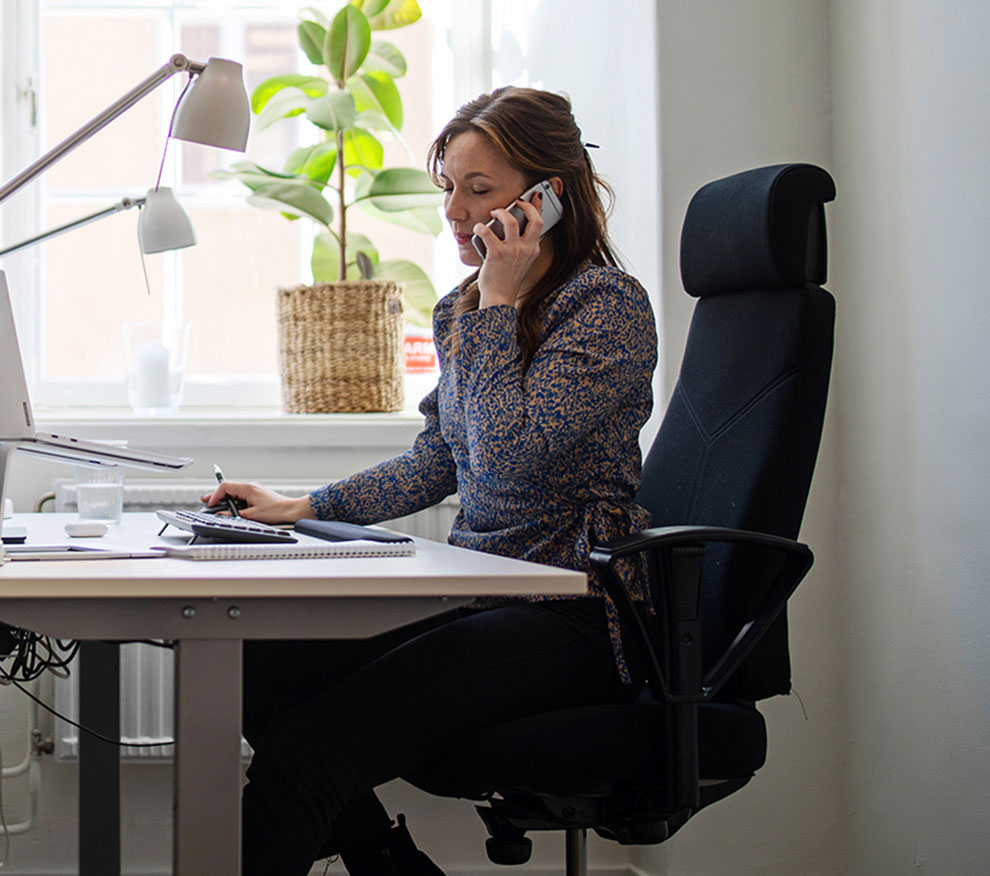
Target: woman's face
<point>476,181</point>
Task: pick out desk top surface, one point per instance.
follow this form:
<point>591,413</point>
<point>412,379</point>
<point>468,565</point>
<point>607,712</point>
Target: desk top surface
<point>436,570</point>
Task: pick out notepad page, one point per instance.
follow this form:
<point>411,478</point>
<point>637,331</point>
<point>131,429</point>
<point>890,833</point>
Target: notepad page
<point>268,551</point>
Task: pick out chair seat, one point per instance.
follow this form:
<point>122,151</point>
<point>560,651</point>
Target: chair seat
<point>609,748</point>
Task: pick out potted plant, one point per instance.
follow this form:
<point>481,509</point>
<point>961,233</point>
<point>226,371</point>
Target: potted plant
<point>352,102</point>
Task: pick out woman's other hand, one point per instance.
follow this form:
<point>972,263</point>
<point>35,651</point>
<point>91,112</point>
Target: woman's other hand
<point>262,504</point>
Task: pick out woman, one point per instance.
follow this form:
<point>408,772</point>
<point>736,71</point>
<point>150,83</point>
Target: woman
<point>546,353</point>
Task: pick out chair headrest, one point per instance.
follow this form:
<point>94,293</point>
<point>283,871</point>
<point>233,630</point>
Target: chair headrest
<point>759,229</point>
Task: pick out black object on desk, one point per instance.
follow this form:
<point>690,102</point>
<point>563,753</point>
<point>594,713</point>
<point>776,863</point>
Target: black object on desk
<point>14,534</point>
<point>336,530</point>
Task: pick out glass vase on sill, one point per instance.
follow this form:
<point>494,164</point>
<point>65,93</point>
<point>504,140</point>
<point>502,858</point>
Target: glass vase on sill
<point>155,356</point>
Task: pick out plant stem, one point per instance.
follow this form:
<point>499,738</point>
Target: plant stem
<point>342,209</point>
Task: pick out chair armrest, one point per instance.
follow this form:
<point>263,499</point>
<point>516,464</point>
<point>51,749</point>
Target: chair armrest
<point>675,556</point>
<point>672,536</point>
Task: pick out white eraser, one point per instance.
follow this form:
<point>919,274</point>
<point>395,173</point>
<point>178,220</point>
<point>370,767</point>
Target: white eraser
<point>85,529</point>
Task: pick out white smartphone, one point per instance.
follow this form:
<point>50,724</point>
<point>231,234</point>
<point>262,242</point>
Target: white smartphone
<point>552,212</point>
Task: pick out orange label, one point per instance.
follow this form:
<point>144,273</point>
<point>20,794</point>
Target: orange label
<point>420,355</point>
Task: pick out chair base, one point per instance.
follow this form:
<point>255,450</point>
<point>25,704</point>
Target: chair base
<point>508,818</point>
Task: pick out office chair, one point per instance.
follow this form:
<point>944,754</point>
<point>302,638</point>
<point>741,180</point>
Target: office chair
<point>726,481</point>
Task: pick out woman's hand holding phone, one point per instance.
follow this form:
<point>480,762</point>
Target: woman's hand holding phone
<point>551,211</point>
<point>508,260</point>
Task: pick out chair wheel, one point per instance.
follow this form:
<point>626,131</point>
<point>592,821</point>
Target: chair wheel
<point>516,850</point>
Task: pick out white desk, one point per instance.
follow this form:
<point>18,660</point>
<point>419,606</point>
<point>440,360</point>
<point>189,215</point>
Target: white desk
<point>209,607</point>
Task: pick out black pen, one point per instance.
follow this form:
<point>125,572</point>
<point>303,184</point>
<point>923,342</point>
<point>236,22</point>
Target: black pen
<point>230,502</point>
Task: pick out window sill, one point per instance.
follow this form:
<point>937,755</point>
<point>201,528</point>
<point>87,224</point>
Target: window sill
<point>235,427</point>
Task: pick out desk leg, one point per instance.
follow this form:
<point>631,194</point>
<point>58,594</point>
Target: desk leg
<point>99,761</point>
<point>207,814</point>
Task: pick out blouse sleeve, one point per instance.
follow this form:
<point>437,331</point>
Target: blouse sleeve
<point>597,357</point>
<point>420,477</point>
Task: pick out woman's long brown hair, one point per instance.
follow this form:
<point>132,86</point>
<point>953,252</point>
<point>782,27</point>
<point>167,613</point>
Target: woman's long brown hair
<point>535,132</point>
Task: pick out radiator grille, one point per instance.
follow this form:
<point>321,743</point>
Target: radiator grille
<point>146,671</point>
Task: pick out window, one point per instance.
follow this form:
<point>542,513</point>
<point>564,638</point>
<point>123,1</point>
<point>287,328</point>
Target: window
<point>66,60</point>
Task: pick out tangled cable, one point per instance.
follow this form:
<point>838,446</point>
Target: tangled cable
<point>30,655</point>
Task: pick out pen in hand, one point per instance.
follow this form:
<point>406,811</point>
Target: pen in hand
<point>231,506</point>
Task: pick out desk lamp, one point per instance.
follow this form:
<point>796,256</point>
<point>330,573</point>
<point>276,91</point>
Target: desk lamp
<point>163,224</point>
<point>213,110</point>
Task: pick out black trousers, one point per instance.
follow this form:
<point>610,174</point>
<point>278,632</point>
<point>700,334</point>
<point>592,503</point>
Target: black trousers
<point>331,720</point>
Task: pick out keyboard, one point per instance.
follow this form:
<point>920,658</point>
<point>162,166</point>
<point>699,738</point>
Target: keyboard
<point>222,528</point>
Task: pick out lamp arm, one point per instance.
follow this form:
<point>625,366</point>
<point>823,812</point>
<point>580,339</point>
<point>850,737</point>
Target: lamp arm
<point>178,63</point>
<point>123,204</point>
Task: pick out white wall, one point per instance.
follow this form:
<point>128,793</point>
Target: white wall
<point>744,85</point>
<point>912,258</point>
<point>889,634</point>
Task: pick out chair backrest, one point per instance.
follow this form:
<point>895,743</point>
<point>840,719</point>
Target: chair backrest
<point>739,440</point>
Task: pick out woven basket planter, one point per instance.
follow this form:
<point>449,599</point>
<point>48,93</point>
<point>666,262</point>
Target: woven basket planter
<point>340,347</point>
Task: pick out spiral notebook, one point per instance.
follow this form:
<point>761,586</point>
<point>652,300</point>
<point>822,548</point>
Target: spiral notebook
<point>299,551</point>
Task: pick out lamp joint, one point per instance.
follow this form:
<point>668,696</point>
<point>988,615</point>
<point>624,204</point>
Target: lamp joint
<point>179,62</point>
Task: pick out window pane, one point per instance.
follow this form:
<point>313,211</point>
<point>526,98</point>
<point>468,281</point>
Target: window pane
<point>228,287</point>
<point>90,62</point>
<point>93,282</point>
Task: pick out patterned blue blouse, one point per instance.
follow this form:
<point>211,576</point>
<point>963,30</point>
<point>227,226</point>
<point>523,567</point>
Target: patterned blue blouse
<point>545,461</point>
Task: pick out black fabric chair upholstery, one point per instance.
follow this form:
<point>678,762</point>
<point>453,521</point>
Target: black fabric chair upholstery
<point>726,481</point>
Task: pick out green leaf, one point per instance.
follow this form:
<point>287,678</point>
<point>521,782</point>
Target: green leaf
<point>425,220</point>
<point>295,198</point>
<point>398,13</point>
<point>332,112</point>
<point>311,38</point>
<point>362,150</point>
<point>310,85</point>
<point>316,162</point>
<point>365,266</point>
<point>251,174</point>
<point>386,58</point>
<point>401,188</point>
<point>377,91</point>
<point>374,120</point>
<point>288,102</point>
<point>419,296</point>
<point>370,7</point>
<point>325,259</point>
<point>358,243</point>
<point>347,43</point>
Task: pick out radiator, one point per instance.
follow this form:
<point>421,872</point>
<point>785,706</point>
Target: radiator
<point>146,670</point>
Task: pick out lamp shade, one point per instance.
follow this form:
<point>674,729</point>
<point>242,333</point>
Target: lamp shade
<point>215,110</point>
<point>163,224</point>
